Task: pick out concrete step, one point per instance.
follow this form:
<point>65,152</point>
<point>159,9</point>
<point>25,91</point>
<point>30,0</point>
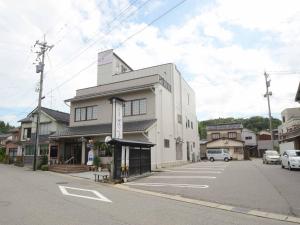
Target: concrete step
<point>68,168</point>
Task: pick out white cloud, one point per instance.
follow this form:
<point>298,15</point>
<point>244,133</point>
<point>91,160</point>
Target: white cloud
<point>226,76</point>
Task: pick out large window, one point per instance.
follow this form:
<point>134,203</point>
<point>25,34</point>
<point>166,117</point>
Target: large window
<point>232,135</point>
<point>29,150</point>
<point>44,128</point>
<point>85,113</point>
<point>26,133</point>
<point>135,107</point>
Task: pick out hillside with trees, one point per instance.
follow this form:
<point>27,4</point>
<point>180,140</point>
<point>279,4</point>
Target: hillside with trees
<point>4,127</point>
<point>255,123</point>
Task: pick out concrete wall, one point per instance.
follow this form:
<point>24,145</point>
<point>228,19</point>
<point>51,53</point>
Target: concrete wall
<point>286,146</point>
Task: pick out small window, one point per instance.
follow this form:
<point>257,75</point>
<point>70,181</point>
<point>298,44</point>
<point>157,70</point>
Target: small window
<point>83,114</point>
<point>143,106</point>
<point>26,133</point>
<point>248,138</point>
<point>127,108</point>
<point>167,143</point>
<point>192,125</point>
<point>194,145</point>
<point>188,123</point>
<point>77,114</point>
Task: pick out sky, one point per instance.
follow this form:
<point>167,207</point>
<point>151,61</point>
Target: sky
<point>221,47</point>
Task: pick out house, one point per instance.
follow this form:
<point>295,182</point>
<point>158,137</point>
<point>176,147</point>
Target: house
<point>289,130</point>
<point>228,136</point>
<point>51,121</point>
<point>249,137</point>
<point>264,141</point>
<point>12,144</point>
<point>3,138</point>
<point>159,107</point>
<point>203,148</point>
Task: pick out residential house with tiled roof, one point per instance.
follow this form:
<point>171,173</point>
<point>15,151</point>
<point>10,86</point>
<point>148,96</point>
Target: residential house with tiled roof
<point>51,121</point>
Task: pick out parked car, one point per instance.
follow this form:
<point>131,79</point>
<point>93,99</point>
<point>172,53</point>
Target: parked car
<point>218,154</point>
<point>271,156</point>
<point>290,159</point>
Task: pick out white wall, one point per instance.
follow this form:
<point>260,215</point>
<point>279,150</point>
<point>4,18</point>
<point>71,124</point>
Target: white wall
<point>286,146</point>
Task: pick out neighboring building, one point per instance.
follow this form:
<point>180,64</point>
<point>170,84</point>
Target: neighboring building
<point>12,145</point>
<point>289,131</point>
<point>3,138</point>
<point>51,121</point>
<point>159,107</point>
<point>264,141</point>
<point>228,136</point>
<point>249,137</point>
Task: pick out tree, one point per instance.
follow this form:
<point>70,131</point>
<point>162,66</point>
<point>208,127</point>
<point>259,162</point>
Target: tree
<point>4,128</point>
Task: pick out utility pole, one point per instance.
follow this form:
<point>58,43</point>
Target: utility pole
<point>267,95</point>
<point>40,69</point>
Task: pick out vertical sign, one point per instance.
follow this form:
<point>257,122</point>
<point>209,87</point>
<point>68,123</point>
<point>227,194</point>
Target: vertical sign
<point>117,123</point>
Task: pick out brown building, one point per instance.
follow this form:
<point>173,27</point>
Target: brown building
<point>226,136</point>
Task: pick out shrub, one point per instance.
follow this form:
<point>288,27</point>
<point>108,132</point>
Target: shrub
<point>2,154</point>
<point>44,167</point>
<point>96,161</point>
<point>19,161</point>
<point>43,161</point>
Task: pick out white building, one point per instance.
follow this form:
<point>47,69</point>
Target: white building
<point>159,107</point>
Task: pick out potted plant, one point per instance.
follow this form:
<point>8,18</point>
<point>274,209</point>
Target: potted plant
<point>96,163</point>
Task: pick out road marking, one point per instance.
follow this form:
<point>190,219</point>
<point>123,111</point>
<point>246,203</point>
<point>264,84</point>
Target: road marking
<point>188,177</point>
<point>197,186</point>
<point>182,171</point>
<point>99,196</point>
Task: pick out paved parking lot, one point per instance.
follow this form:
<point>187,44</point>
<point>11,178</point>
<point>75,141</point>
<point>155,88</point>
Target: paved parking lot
<point>244,184</point>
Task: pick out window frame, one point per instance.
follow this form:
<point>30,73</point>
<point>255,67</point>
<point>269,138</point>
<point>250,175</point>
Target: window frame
<point>130,102</point>
<point>212,136</point>
<point>230,133</point>
<point>166,143</point>
<point>85,108</point>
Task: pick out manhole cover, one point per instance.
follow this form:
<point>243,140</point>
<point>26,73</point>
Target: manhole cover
<point>62,182</point>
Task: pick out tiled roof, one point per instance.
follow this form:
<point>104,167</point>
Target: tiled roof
<point>227,126</point>
<point>57,115</point>
<point>135,126</point>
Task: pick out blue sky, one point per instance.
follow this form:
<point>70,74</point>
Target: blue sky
<point>221,47</point>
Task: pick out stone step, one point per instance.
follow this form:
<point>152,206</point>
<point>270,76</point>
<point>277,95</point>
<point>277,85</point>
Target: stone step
<point>68,168</point>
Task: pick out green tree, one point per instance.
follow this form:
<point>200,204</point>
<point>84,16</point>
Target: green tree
<point>4,127</point>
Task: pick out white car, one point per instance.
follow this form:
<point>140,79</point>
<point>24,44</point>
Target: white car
<point>290,159</point>
<point>271,156</point>
<point>218,154</point>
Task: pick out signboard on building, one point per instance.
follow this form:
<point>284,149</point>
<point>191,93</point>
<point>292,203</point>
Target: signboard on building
<point>117,124</point>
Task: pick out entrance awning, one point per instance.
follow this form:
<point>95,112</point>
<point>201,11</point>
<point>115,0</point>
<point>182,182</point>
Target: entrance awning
<point>131,143</point>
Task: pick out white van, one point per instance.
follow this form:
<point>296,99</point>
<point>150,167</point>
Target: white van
<point>218,154</point>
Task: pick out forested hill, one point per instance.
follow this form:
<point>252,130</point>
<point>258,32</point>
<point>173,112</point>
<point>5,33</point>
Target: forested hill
<point>256,123</point>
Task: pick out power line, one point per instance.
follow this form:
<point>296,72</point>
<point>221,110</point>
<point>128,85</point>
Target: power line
<point>82,50</point>
<point>121,43</point>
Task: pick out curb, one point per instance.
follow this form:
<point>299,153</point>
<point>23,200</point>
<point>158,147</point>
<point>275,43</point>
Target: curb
<point>257,213</point>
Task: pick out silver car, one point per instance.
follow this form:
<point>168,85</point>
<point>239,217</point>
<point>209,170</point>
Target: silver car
<point>290,159</point>
<point>271,156</point>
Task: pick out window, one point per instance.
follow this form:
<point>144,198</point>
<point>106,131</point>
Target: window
<point>188,123</point>
<point>283,119</point>
<point>85,113</point>
<point>29,150</point>
<point>44,128</point>
<point>215,135</point>
<point>194,145</point>
<point>231,134</point>
<point>26,133</point>
<point>135,107</point>
<point>248,138</point>
<point>44,149</point>
<point>167,143</point>
<point>127,108</point>
<point>192,125</point>
<point>188,99</point>
<point>179,118</point>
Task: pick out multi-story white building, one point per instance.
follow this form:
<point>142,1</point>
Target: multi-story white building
<point>159,107</point>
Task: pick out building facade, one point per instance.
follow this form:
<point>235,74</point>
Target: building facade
<point>226,136</point>
<point>289,131</point>
<point>159,107</point>
<point>249,137</point>
<point>51,121</point>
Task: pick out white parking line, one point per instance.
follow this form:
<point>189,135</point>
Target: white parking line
<point>99,196</point>
<point>202,168</point>
<point>196,186</point>
<point>185,177</point>
<point>191,172</point>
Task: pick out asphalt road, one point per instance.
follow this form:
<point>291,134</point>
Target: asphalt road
<point>245,184</point>
<point>35,198</point>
